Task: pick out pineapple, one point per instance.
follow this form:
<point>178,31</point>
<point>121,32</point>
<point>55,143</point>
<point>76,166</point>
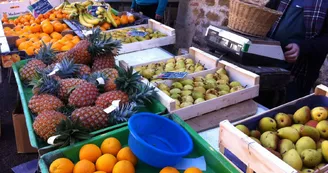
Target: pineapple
<point>59,57</point>
<point>46,122</point>
<point>111,74</point>
<point>83,95</point>
<point>122,114</point>
<point>42,102</point>
<point>95,45</point>
<point>84,70</point>
<point>103,62</point>
<point>92,117</point>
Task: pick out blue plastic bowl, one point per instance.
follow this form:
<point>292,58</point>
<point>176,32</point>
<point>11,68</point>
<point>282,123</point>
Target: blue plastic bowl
<point>158,141</point>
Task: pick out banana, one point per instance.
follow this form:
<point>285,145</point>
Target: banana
<point>109,17</point>
<point>90,19</point>
<point>87,3</point>
<point>83,22</point>
<point>61,6</point>
<point>69,11</point>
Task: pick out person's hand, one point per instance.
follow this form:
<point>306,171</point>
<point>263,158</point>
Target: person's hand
<point>158,17</point>
<point>292,53</point>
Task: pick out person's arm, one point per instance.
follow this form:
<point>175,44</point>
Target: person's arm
<point>133,5</point>
<point>316,46</point>
<point>161,7</point>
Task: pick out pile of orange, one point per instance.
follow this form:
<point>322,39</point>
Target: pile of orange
<point>28,19</point>
<point>109,157</point>
<point>123,20</point>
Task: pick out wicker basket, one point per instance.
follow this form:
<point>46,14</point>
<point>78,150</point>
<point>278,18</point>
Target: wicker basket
<point>251,19</point>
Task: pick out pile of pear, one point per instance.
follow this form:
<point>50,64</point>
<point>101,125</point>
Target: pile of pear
<point>123,36</point>
<point>187,92</point>
<point>177,64</point>
<point>299,139</point>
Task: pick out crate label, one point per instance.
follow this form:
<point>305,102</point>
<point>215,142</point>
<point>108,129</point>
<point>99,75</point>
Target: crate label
<point>40,7</point>
<point>172,75</point>
<point>135,33</point>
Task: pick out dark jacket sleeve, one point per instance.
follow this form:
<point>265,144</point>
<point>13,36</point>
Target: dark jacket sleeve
<point>273,4</point>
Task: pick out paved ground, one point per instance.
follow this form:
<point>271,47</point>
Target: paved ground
<point>8,155</point>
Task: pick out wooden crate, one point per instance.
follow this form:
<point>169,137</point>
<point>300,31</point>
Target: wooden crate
<point>254,156</point>
<point>147,44</point>
<point>246,78</point>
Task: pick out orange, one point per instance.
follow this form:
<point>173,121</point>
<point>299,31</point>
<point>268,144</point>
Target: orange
<point>19,41</point>
<point>53,40</point>
<point>65,26</point>
<point>103,29</point>
<point>169,170</point>
<point>32,36</point>
<point>37,45</point>
<point>124,20</point>
<point>7,64</point>
<point>27,28</point>
<point>15,57</point>
<point>43,34</point>
<point>111,146</point>
<point>47,28</point>
<point>105,25</point>
<point>46,39</point>
<point>131,19</point>
<point>192,170</point>
<point>52,17</point>
<point>118,22</point>
<point>56,35</point>
<point>38,21</point>
<point>40,16</point>
<point>34,40</point>
<point>68,36</point>
<point>84,166</point>
<point>35,28</point>
<point>7,29</point>
<point>61,165</point>
<point>30,50</point>
<point>56,46</point>
<point>58,27</point>
<point>75,41</point>
<point>106,163</point>
<point>126,154</point>
<point>59,15</point>
<point>90,152</point>
<point>24,45</point>
<point>66,48</point>
<point>18,28</point>
<point>100,172</point>
<point>123,166</point>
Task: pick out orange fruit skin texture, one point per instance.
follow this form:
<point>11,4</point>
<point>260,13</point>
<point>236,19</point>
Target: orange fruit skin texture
<point>169,169</point>
<point>84,166</point>
<point>126,154</point>
<point>192,170</point>
<point>100,172</point>
<point>123,166</point>
<point>90,152</point>
<point>111,146</point>
<point>61,165</point>
<point>106,163</point>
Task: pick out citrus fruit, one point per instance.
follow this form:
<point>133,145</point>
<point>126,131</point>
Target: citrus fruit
<point>90,152</point>
<point>47,28</point>
<point>84,166</point>
<point>56,35</point>
<point>169,169</point>
<point>61,165</point>
<point>100,172</point>
<point>126,154</point>
<point>192,170</point>
<point>58,27</point>
<point>123,166</point>
<point>106,163</point>
<point>111,146</point>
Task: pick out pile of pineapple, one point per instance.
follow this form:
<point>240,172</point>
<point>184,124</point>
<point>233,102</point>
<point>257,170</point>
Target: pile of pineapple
<point>72,89</point>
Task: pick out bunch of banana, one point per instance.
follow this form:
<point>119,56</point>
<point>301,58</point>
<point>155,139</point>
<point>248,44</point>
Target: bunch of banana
<point>85,18</point>
<point>69,8</point>
<point>106,14</point>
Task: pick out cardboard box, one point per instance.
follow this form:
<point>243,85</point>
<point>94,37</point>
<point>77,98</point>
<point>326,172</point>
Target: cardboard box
<point>22,140</point>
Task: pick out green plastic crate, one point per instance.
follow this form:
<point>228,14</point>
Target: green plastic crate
<point>26,94</point>
<point>215,162</point>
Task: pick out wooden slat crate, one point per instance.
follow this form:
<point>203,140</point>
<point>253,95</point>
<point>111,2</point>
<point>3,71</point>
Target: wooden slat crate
<point>256,158</point>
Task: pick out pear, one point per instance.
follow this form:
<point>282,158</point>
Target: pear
<point>285,145</point>
<point>243,128</point>
<point>283,120</point>
<point>187,99</point>
<point>189,61</point>
<point>197,95</point>
<point>324,149</point>
<point>172,60</point>
<point>186,92</point>
<point>312,123</point>
<point>221,71</point>
<point>168,69</point>
<point>177,103</point>
<point>148,73</point>
<point>163,87</point>
<point>256,140</point>
<point>159,71</point>
<point>199,100</point>
<point>171,64</point>
<point>224,87</point>
<point>269,140</point>
<point>319,113</point>
<point>221,93</point>
<point>185,104</point>
<point>234,84</point>
<point>210,84</point>
<point>166,92</point>
<point>311,132</point>
<point>236,88</point>
<point>209,76</point>
<point>322,127</point>
<point>197,84</point>
<point>175,91</point>
<point>190,65</point>
<point>187,82</point>
<point>297,127</point>
<point>180,65</point>
<point>267,124</point>
<point>200,89</point>
<point>211,91</point>
<point>180,58</point>
<point>138,69</point>
<point>302,115</point>
<point>221,81</point>
<point>293,159</point>
<point>199,79</point>
<point>151,65</point>
<point>255,134</point>
<point>311,157</point>
<point>319,143</point>
<point>288,133</point>
<point>306,170</point>
<point>224,77</point>
<point>177,85</point>
<point>199,68</point>
<point>188,87</point>
<point>210,96</point>
<point>175,96</point>
<point>304,143</point>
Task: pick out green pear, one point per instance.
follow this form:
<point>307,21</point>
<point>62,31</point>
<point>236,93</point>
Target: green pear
<point>234,84</point>
<point>169,69</point>
<point>180,58</point>
<point>211,91</point>
<point>200,89</point>
<point>197,95</point>
<point>269,140</point>
<point>307,170</point>
<point>311,158</point>
<point>188,87</point>
<point>187,99</point>
<point>319,113</point>
<point>285,145</point>
<point>223,82</point>
<point>221,93</point>
<point>177,103</point>
<point>243,128</point>
<point>224,87</point>
<point>288,133</point>
<point>224,77</point>
<point>180,65</point>
<point>255,134</point>
<point>177,85</point>
<point>283,120</point>
<point>236,88</point>
<point>304,143</point>
<point>197,84</point>
<point>221,71</point>
<point>199,79</point>
<point>185,104</point>
<point>172,60</point>
<point>187,82</point>
<point>151,65</point>
<point>170,64</point>
<point>199,68</point>
<point>148,73</point>
<point>210,84</point>
<point>186,93</point>
<point>166,92</point>
<point>302,115</point>
<point>293,159</point>
<point>189,61</point>
<point>311,132</point>
<point>267,124</point>
<point>210,96</point>
<point>324,149</point>
<point>163,87</point>
<point>256,140</point>
<point>175,96</point>
<point>199,100</point>
<point>322,127</point>
<point>175,91</point>
<point>209,76</point>
<point>297,127</point>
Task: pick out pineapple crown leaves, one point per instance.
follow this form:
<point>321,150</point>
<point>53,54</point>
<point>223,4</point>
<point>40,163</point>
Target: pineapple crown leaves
<point>145,94</point>
<point>46,54</point>
<point>122,113</point>
<point>70,132</point>
<point>92,78</point>
<point>128,80</point>
<point>67,110</point>
<point>45,84</point>
<point>67,68</point>
<point>100,44</point>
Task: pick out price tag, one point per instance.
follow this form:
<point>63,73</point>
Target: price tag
<point>172,75</point>
<point>56,68</point>
<point>135,33</point>
<point>101,80</point>
<point>115,104</point>
<point>51,139</point>
<point>40,7</point>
